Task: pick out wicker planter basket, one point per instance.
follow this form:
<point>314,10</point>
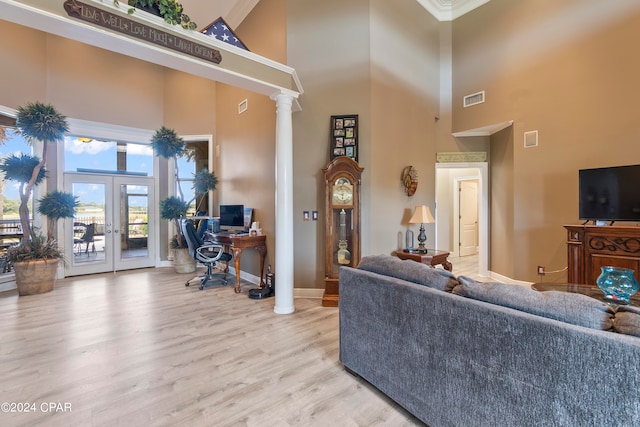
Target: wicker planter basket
<point>182,261</point>
<point>35,277</point>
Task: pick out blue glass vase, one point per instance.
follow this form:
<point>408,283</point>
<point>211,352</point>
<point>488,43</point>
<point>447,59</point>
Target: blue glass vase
<point>618,284</point>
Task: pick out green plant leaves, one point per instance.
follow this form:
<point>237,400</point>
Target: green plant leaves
<point>20,168</point>
<point>41,122</point>
<point>166,143</point>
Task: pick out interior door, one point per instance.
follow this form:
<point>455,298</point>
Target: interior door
<point>113,226</point>
<point>468,193</point>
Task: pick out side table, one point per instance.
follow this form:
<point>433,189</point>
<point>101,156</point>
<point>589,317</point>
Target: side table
<point>432,258</point>
<point>588,290</point>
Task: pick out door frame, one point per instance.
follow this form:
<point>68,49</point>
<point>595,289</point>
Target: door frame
<point>444,207</point>
<point>112,263</point>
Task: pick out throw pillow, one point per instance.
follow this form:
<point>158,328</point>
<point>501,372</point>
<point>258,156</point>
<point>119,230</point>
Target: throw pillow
<point>410,271</point>
<point>566,307</point>
<point>627,320</point>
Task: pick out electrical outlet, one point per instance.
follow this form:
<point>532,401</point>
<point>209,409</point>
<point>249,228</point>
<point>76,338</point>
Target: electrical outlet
<point>541,270</point>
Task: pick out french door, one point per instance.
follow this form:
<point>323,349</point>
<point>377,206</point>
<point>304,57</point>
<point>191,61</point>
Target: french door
<point>114,225</point>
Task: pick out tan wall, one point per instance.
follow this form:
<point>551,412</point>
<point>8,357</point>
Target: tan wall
<point>246,142</point>
<point>502,244</point>
<point>332,63</point>
<point>89,83</point>
<point>23,60</point>
<point>405,81</point>
<point>567,70</point>
<point>189,103</point>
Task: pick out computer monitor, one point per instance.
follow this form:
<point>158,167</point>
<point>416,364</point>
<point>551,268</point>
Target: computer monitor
<point>232,216</point>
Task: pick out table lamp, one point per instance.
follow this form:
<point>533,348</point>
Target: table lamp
<point>422,215</point>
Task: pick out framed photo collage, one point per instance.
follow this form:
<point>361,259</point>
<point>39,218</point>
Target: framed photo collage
<point>344,136</point>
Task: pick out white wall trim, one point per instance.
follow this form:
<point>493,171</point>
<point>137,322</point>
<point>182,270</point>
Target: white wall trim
<point>448,10</point>
<point>504,279</point>
<point>483,214</point>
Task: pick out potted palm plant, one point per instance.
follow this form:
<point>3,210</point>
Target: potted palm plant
<point>167,144</point>
<point>35,259</point>
<point>173,209</point>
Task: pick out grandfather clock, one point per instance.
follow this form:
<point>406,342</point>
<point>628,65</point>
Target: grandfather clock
<point>342,222</point>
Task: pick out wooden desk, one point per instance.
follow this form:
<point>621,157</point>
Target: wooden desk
<point>432,258</point>
<point>237,243</point>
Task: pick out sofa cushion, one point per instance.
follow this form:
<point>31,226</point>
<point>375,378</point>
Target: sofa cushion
<point>410,271</point>
<point>627,320</point>
<point>567,307</point>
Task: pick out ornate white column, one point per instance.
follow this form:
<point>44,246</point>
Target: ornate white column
<point>284,205</point>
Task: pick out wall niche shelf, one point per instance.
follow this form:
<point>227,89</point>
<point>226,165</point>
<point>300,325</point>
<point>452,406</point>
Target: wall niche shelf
<point>484,130</point>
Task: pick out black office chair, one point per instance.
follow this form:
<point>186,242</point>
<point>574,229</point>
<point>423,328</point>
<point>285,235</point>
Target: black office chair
<point>88,232</point>
<point>205,253</point>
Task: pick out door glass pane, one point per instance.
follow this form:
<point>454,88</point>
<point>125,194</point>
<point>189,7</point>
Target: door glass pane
<point>89,223</point>
<point>134,221</point>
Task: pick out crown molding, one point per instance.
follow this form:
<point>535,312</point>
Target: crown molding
<point>448,10</point>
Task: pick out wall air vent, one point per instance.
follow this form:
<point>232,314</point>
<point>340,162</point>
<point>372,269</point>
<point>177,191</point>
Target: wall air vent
<point>531,139</point>
<point>473,99</point>
<point>242,106</point>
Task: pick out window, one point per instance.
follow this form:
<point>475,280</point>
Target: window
<point>94,155</point>
<point>10,228</point>
<point>195,158</point>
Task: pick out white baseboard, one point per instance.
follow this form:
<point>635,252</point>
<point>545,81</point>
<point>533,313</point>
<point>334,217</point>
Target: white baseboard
<point>297,292</point>
<point>8,283</point>
<point>504,279</point>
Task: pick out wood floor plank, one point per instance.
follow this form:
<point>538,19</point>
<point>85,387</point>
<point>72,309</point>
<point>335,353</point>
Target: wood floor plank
<point>138,348</point>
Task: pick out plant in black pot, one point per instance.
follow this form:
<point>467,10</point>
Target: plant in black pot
<point>169,10</point>
<point>167,144</point>
<point>35,258</point>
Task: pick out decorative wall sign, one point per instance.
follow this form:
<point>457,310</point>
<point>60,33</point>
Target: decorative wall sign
<point>120,24</point>
<point>344,136</point>
<point>461,157</point>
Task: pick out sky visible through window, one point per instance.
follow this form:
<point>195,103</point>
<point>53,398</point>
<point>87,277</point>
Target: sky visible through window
<point>13,145</point>
<point>102,155</point>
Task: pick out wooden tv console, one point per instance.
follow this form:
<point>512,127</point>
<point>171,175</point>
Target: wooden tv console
<point>590,247</point>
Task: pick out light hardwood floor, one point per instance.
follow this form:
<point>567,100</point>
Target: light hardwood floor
<point>137,348</point>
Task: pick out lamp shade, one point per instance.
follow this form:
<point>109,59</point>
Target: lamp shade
<point>422,215</point>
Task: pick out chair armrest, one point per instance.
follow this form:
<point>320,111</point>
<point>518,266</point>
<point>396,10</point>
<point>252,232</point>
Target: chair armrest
<point>205,251</point>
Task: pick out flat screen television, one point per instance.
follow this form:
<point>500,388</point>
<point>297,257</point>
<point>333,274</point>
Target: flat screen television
<point>232,216</point>
<point>610,194</point>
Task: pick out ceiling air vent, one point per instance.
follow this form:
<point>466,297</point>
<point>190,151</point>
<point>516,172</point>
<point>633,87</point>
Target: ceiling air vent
<point>531,139</point>
<point>473,99</point>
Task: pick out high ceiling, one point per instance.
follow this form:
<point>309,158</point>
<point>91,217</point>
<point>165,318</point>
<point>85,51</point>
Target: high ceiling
<point>234,11</point>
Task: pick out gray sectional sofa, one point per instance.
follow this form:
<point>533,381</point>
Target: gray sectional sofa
<point>455,352</point>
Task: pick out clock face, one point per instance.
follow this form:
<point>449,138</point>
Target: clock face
<point>342,192</point>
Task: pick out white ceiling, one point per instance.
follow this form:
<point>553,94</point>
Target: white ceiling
<point>234,11</point>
